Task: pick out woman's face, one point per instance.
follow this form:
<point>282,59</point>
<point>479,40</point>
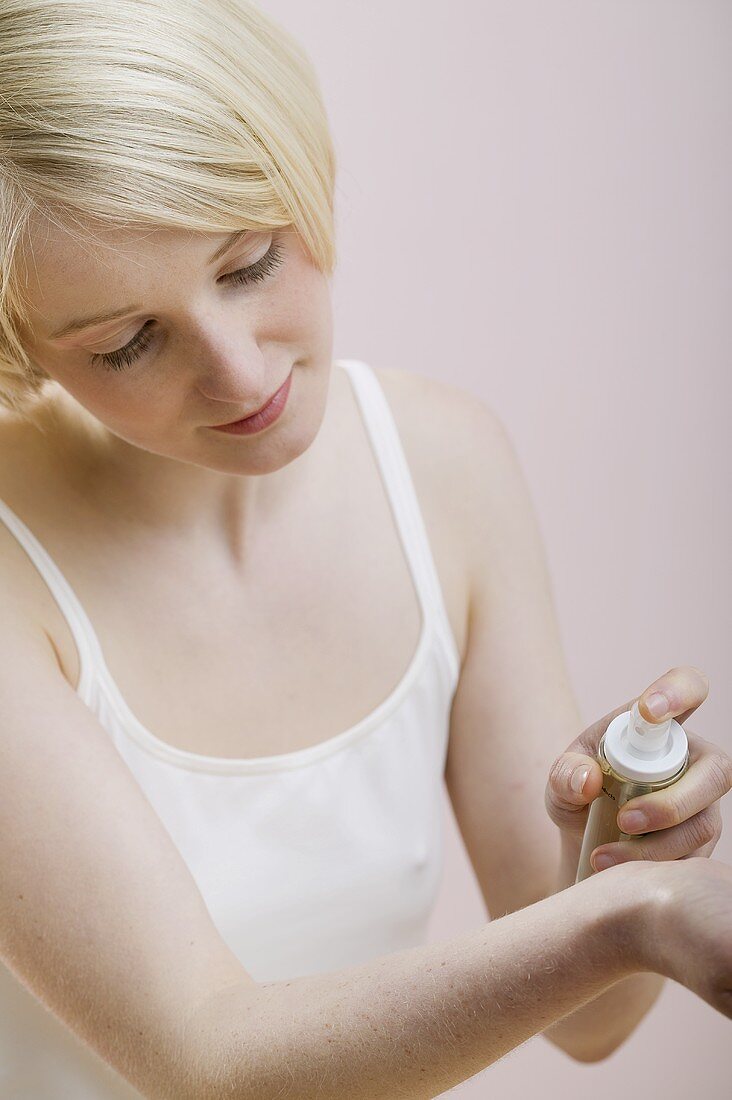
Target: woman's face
<point>197,344</point>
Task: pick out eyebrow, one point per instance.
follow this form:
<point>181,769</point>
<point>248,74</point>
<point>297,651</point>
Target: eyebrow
<point>106,315</point>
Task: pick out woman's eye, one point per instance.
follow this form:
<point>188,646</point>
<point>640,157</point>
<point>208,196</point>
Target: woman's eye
<point>124,357</point>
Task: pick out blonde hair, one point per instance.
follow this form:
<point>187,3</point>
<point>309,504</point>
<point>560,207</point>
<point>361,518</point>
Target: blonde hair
<point>197,114</point>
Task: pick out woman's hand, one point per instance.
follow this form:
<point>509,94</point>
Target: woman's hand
<point>683,820</point>
<point>686,931</point>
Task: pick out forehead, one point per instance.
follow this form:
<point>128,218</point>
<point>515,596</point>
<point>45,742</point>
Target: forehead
<point>61,266</point>
<point>55,250</point>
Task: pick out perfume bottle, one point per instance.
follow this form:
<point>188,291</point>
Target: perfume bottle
<point>636,757</point>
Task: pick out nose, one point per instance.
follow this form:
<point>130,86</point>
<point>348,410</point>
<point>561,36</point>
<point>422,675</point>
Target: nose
<point>236,377</point>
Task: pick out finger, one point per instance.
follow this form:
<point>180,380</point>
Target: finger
<point>676,694</point>
<point>699,834</point>
<point>707,779</point>
<point>566,796</point>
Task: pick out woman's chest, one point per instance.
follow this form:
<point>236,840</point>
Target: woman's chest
<point>303,643</point>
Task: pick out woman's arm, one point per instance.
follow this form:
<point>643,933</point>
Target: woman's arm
<point>415,1023</point>
<point>515,710</point>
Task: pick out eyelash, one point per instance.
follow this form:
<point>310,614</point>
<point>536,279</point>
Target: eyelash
<point>124,357</point>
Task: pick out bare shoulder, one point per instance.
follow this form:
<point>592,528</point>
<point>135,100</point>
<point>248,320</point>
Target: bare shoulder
<point>20,582</point>
<point>468,463</point>
<point>450,438</point>
<point>451,434</point>
<point>13,456</point>
<point>435,395</point>
<point>435,408</point>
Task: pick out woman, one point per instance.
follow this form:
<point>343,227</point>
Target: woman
<point>232,651</point>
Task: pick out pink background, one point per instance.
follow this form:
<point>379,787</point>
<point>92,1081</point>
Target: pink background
<point>534,203</point>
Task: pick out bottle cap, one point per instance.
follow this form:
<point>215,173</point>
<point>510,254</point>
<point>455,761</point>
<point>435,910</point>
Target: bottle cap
<point>645,751</point>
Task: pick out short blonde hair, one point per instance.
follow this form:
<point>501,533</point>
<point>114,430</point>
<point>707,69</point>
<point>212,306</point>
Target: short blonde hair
<point>196,114</point>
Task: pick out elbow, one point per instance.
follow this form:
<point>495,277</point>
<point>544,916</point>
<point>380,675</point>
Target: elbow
<point>586,1052</point>
<point>589,1055</point>
<point>587,1058</point>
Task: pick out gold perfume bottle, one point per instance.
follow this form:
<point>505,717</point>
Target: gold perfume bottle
<point>636,757</point>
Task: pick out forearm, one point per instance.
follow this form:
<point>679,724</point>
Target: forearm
<point>595,1029</point>
<point>415,1023</point>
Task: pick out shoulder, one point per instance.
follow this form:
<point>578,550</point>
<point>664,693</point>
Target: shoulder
<point>462,463</point>
<point>20,476</point>
<point>434,395</point>
<point>432,404</point>
<point>454,436</point>
<point>449,420</point>
<point>465,456</point>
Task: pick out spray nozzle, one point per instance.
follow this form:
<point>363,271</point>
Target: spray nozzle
<point>647,736</point>
<point>645,752</point>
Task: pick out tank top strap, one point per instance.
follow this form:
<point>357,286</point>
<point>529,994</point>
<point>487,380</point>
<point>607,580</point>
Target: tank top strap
<point>387,446</point>
<point>83,633</point>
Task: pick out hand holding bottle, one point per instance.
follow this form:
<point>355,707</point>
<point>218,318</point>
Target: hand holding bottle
<point>683,819</point>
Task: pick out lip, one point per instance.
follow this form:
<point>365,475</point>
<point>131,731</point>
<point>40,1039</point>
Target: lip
<point>266,415</point>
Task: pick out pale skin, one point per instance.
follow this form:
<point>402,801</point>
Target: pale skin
<point>163,495</point>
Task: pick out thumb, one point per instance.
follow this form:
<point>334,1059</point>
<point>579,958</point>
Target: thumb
<point>574,781</point>
<point>574,777</point>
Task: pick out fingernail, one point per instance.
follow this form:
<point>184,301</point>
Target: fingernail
<point>632,821</point>
<point>601,863</point>
<point>657,704</point>
<point>579,778</point>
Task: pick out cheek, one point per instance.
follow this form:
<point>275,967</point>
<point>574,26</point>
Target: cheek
<point>313,328</point>
<point>141,412</point>
<point>302,301</point>
<point>127,404</point>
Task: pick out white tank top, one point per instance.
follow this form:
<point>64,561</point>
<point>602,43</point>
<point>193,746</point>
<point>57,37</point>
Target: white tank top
<point>308,861</point>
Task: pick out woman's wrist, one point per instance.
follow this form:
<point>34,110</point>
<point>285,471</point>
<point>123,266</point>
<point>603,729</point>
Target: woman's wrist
<point>626,896</point>
<point>626,893</point>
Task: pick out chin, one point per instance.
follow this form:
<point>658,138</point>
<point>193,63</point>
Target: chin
<point>284,442</point>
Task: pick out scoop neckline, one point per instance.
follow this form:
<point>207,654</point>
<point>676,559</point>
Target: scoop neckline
<point>310,754</point>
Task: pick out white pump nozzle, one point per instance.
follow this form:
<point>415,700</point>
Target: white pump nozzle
<point>647,736</point>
